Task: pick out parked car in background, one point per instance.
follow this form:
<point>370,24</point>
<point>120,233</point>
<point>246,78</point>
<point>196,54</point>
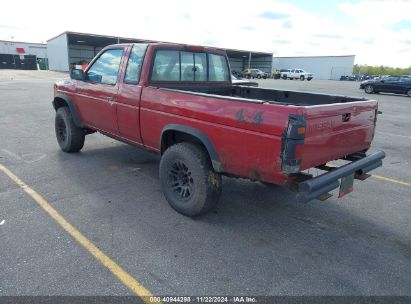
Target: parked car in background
<point>390,84</point>
<point>238,74</point>
<point>255,73</point>
<point>348,77</point>
<point>297,74</point>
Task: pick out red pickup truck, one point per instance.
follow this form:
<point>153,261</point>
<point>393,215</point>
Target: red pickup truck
<point>179,101</point>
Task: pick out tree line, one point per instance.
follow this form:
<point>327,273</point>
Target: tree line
<point>360,69</point>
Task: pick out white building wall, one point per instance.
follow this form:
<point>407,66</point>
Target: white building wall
<point>9,47</point>
<point>57,50</point>
<point>323,67</point>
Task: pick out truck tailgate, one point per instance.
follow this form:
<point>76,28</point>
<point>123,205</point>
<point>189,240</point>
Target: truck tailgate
<point>337,130</point>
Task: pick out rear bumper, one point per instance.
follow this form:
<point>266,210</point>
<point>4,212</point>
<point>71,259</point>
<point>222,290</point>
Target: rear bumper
<point>322,184</point>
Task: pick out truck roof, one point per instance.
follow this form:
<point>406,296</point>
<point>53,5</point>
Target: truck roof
<point>188,47</point>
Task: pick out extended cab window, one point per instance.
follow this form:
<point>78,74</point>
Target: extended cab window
<point>105,68</point>
<point>134,63</point>
<point>176,66</point>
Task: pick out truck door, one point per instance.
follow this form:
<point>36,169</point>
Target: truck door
<point>128,98</point>
<point>96,96</point>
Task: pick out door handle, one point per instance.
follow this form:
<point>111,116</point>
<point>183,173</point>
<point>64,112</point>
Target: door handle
<point>110,99</point>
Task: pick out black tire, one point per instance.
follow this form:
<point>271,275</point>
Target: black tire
<point>291,78</point>
<point>69,137</point>
<point>189,182</point>
<point>409,93</point>
<point>308,79</point>
<point>369,89</point>
<point>258,76</point>
<point>302,77</point>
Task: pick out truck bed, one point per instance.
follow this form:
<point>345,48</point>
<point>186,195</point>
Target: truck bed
<point>262,95</point>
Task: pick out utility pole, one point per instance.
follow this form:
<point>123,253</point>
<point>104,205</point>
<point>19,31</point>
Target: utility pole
<point>249,61</point>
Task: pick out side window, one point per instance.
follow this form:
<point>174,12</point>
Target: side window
<point>134,63</point>
<point>393,78</point>
<point>105,68</point>
<point>166,66</point>
<point>405,79</point>
<point>217,68</point>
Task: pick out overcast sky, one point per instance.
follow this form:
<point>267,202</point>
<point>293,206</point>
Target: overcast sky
<point>377,32</point>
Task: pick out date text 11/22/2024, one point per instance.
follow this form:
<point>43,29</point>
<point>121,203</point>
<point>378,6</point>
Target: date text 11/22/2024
<point>202,299</point>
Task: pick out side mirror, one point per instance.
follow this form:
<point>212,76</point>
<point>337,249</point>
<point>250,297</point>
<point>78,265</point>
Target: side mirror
<point>77,74</point>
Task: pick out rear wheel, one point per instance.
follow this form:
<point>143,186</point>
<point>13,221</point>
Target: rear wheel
<point>258,76</point>
<point>189,182</point>
<point>409,93</point>
<point>369,89</point>
<point>69,137</point>
<point>291,78</point>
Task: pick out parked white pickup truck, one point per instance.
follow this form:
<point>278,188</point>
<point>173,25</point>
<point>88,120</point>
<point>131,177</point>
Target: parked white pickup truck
<point>296,74</point>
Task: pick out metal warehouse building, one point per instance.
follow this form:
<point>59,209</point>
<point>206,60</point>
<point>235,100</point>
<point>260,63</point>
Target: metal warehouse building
<point>70,48</point>
<point>21,55</point>
<point>323,67</point>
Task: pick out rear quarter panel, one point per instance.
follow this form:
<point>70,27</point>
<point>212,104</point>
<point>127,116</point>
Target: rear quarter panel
<point>245,135</point>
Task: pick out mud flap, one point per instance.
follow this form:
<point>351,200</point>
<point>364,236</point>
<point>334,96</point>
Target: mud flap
<point>347,185</point>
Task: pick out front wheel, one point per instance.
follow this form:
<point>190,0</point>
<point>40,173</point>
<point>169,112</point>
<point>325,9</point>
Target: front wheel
<point>302,77</point>
<point>409,93</point>
<point>369,89</point>
<point>69,137</point>
<point>188,180</point>
<point>258,76</point>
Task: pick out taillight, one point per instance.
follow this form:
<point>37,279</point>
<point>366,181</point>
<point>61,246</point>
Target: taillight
<point>293,144</point>
<point>298,152</point>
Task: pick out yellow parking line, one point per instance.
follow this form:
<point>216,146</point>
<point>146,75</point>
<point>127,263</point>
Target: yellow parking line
<point>391,180</point>
<point>115,269</point>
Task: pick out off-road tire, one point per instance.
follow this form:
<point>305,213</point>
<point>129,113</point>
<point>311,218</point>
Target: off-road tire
<point>369,89</point>
<point>188,180</point>
<point>69,137</point>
